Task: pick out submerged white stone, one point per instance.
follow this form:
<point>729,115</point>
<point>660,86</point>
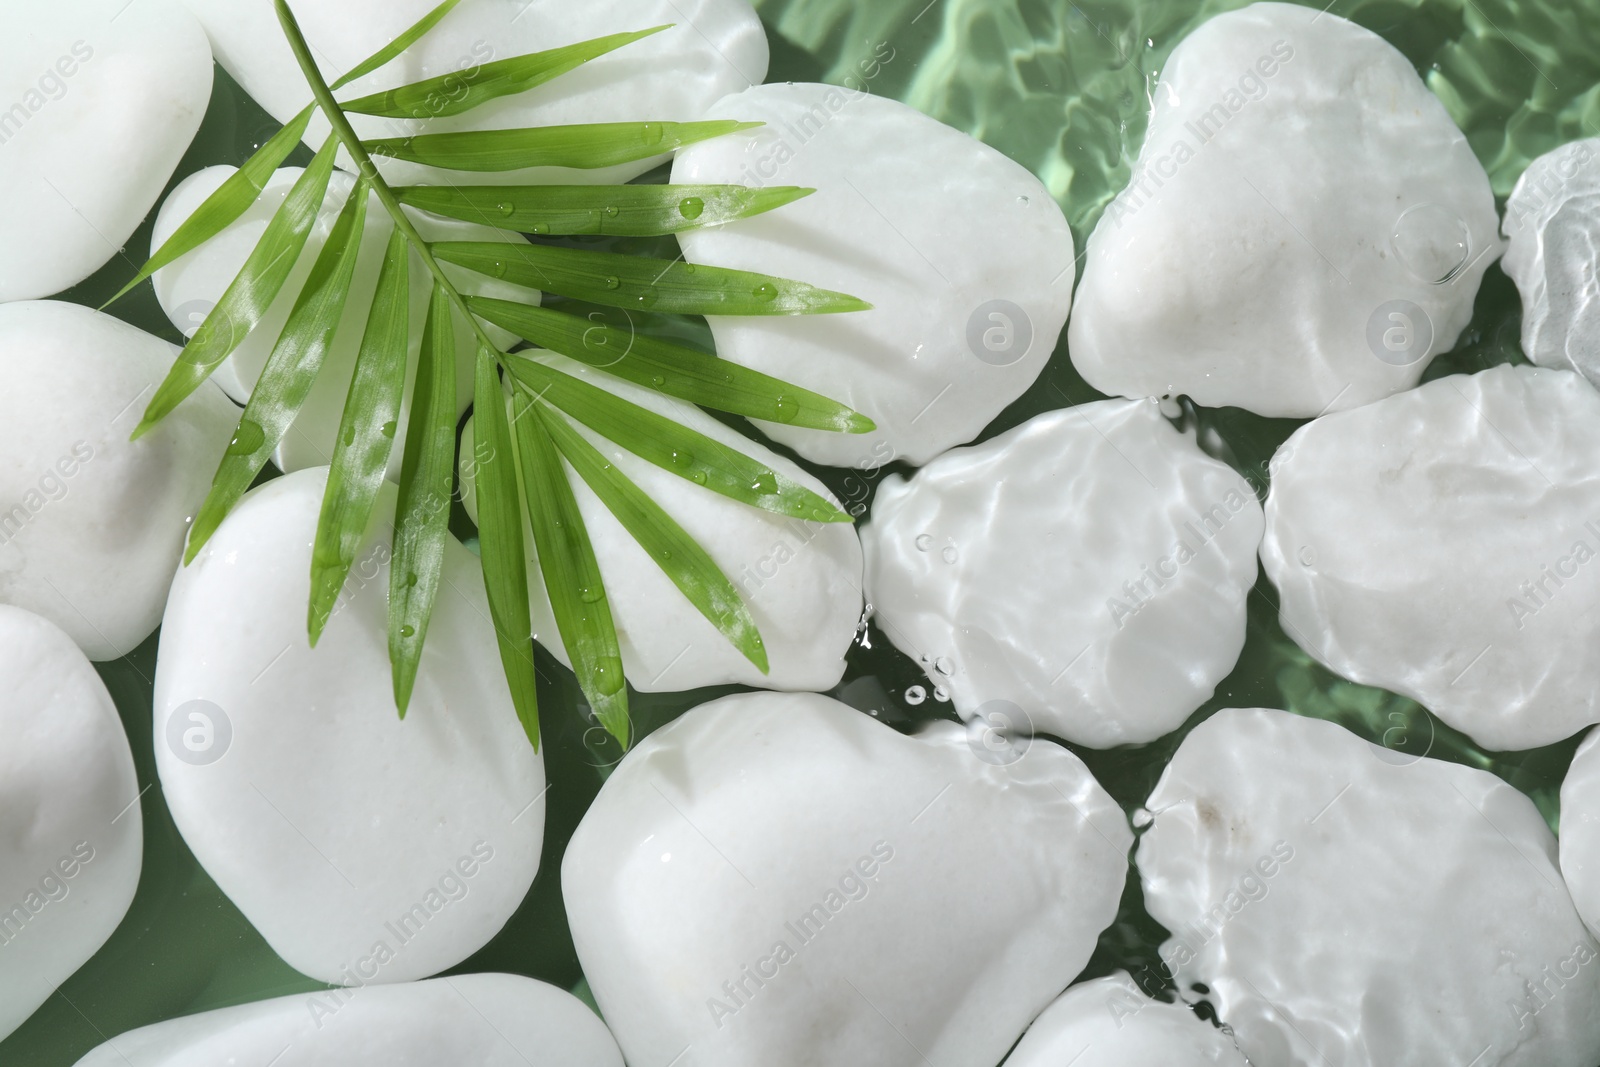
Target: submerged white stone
<point>71,837</point>
<point>801,580</point>
<point>966,259</point>
<point>1441,544</point>
<point>485,1020</point>
<point>92,524</point>
<point>714,47</point>
<point>99,100</point>
<point>1347,906</point>
<point>363,847</point>
<point>1111,1022</point>
<point>1304,230</point>
<point>1553,225</point>
<point>779,879</point>
<point>1084,574</point>
<point>1580,830</point>
<point>190,287</point>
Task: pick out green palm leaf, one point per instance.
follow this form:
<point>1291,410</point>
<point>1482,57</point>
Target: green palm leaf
<point>422,513</point>
<point>612,210</point>
<point>526,468</point>
<point>247,299</point>
<point>673,447</point>
<point>391,51</point>
<point>234,196</point>
<point>674,369</point>
<point>224,206</point>
<point>366,435</point>
<point>505,566</point>
<point>679,556</point>
<point>461,91</point>
<point>290,372</point>
<point>585,147</point>
<point>644,284</point>
<point>571,573</point>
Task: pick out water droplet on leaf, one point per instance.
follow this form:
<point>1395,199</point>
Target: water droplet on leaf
<point>246,439</point>
<point>388,428</point>
<point>608,676</point>
<point>765,292</point>
<point>788,409</point>
<point>691,207</point>
<point>613,282</point>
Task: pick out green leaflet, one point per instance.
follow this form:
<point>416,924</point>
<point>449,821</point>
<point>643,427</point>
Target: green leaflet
<point>461,91</point>
<point>695,573</point>
<point>615,210</point>
<point>422,513</point>
<point>643,284</point>
<point>391,51</point>
<point>250,295</point>
<point>290,372</point>
<point>674,369</point>
<point>671,446</point>
<point>571,573</point>
<point>586,147</point>
<point>505,561</point>
<point>232,199</point>
<point>366,435</point>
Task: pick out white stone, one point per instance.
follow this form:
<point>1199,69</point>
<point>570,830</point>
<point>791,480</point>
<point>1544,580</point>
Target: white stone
<point>1297,180</point>
<point>1349,906</point>
<point>91,523</point>
<point>1085,573</point>
<point>1441,544</point>
<point>99,100</point>
<point>363,847</point>
<point>966,259</point>
<point>1110,1022</point>
<point>779,879</point>
<point>1580,830</point>
<point>485,1020</point>
<point>1553,224</point>
<point>71,837</point>
<point>191,286</point>
<point>715,47</point>
<point>800,580</point>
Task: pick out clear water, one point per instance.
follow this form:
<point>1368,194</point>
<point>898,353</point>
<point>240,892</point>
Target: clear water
<point>1063,88</point>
